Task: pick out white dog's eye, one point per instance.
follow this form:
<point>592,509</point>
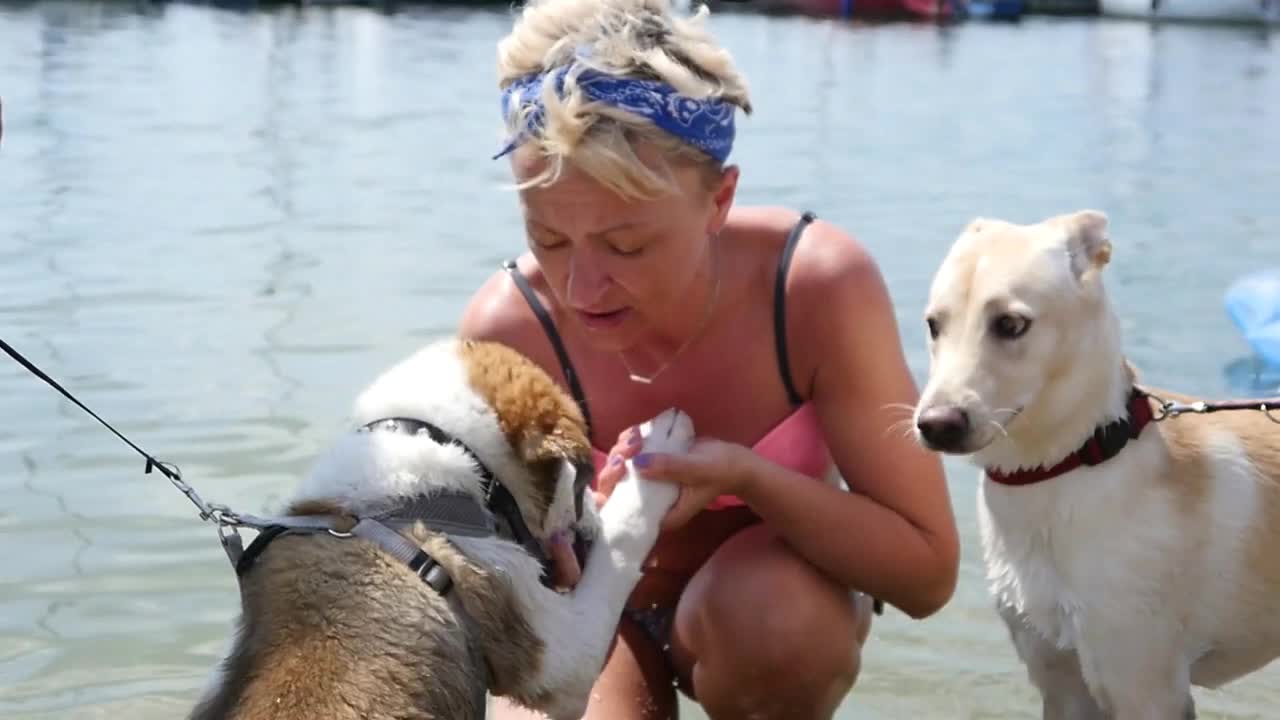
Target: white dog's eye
<point>1009,326</point>
<point>932,323</point>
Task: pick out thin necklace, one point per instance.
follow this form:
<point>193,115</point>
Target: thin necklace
<point>706,320</point>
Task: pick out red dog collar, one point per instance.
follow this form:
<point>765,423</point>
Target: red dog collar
<point>1106,442</point>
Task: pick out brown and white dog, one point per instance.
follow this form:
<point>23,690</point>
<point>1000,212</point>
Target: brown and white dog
<point>415,592</point>
<point>1130,559</point>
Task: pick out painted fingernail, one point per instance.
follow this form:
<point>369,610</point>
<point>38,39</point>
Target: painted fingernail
<point>615,459</point>
<point>642,460</point>
<point>634,438</point>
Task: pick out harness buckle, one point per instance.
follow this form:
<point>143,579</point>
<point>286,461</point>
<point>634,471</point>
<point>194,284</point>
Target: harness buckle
<point>434,574</point>
<point>232,543</point>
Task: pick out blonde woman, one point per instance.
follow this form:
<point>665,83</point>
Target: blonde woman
<point>644,288</point>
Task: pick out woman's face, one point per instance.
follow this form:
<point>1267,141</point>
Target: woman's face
<point>623,269</point>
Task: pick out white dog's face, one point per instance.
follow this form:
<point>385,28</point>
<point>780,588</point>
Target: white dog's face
<point>1002,318</point>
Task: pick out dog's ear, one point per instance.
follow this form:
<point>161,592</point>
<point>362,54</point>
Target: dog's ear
<point>1088,242</point>
<point>554,457</point>
<point>543,425</point>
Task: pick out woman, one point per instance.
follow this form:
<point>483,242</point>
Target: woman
<point>645,288</point>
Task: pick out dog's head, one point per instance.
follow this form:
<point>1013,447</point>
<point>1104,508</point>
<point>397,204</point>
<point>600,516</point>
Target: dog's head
<point>507,411</point>
<point>1011,310</point>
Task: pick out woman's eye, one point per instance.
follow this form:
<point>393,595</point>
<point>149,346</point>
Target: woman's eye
<point>545,242</point>
<point>626,252</point>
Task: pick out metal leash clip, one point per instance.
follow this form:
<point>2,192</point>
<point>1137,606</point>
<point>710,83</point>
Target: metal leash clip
<point>1171,409</point>
<point>229,533</point>
<point>227,520</point>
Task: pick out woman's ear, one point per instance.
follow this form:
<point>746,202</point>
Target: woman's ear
<point>722,194</point>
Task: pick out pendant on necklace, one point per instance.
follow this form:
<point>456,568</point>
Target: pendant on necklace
<point>636,377</point>
<point>706,318</point>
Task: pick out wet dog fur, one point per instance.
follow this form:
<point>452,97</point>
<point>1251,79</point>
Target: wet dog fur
<point>336,628</point>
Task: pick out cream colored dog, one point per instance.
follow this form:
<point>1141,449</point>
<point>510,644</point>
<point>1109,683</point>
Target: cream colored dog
<point>407,580</point>
<point>1130,559</point>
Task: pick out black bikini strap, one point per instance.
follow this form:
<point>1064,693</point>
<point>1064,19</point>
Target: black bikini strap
<point>548,325</point>
<point>780,306</point>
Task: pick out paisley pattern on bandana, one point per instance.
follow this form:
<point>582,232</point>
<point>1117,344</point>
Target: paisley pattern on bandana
<point>707,124</point>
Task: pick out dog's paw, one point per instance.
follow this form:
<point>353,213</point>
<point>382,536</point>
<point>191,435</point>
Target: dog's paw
<point>670,432</point>
<point>636,506</point>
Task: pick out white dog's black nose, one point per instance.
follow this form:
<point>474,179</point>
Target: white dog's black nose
<point>943,428</point>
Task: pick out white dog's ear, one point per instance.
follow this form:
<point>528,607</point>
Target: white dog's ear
<point>541,422</point>
<point>554,459</point>
<point>1088,243</point>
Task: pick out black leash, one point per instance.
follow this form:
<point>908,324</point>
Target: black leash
<point>218,513</point>
<point>498,500</point>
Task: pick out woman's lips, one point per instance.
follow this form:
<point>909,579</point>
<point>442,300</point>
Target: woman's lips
<point>603,320</point>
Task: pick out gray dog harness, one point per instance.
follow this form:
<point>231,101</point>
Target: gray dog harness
<point>452,514</point>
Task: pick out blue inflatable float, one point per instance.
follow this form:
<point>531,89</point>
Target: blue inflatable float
<point>1253,304</point>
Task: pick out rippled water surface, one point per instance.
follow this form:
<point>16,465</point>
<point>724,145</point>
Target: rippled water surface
<point>215,226</point>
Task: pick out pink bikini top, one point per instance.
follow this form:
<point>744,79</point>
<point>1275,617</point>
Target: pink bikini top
<point>796,442</point>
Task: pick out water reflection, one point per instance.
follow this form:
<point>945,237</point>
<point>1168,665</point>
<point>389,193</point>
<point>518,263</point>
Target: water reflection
<point>216,225</point>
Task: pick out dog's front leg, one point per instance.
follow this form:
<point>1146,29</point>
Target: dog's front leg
<point>1055,672</point>
<point>1138,667</point>
<point>582,629</point>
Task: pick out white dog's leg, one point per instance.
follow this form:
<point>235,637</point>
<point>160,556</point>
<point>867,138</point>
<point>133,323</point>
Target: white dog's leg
<point>1053,671</point>
<point>1137,667</point>
<point>582,629</point>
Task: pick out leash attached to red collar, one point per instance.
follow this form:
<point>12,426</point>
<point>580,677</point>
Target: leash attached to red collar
<point>1106,442</point>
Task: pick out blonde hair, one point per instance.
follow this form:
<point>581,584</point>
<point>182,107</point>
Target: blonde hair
<point>624,38</point>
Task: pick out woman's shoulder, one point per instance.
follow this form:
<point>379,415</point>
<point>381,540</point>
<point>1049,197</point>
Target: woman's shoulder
<point>826,256</point>
<point>836,303</point>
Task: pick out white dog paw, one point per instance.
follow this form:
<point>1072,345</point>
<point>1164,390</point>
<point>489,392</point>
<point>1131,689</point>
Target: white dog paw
<point>670,432</point>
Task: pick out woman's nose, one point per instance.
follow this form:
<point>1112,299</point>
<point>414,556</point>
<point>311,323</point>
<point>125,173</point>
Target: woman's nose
<point>588,281</point>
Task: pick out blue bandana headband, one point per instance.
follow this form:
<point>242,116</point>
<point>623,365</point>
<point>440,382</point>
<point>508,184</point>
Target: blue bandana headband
<point>704,124</point>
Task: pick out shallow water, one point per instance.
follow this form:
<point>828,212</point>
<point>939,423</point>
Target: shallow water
<point>215,226</point>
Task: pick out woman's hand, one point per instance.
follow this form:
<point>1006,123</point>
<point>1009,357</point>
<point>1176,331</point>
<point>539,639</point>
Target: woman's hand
<point>709,469</point>
<point>615,468</point>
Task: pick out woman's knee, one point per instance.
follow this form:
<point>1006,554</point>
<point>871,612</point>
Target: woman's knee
<point>763,626</point>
